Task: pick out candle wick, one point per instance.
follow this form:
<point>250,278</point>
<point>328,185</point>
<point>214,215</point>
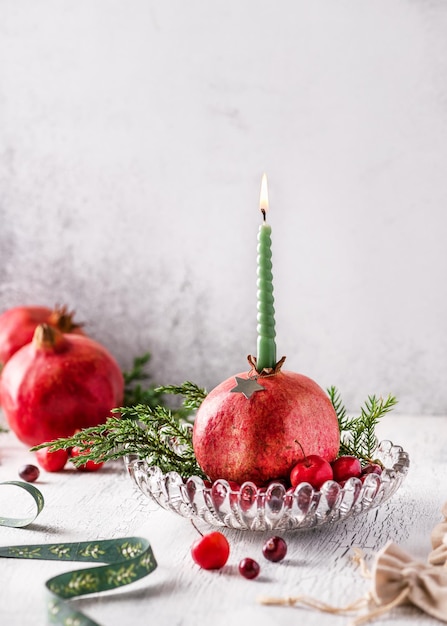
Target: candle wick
<point>263,211</point>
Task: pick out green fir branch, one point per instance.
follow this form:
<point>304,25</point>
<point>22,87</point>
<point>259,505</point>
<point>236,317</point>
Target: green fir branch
<point>153,434</point>
<point>340,410</point>
<point>138,369</point>
<point>357,435</point>
<point>134,392</point>
<point>193,394</point>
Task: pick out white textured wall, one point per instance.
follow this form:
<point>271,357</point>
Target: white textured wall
<point>133,137</point>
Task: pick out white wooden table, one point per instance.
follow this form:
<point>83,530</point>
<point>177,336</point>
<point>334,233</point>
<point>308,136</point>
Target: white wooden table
<point>85,506</point>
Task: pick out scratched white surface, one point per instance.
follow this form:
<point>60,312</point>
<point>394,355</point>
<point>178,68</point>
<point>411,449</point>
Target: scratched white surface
<point>83,506</point>
<point>133,137</point>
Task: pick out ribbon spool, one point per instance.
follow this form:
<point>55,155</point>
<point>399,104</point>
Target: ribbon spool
<point>127,560</point>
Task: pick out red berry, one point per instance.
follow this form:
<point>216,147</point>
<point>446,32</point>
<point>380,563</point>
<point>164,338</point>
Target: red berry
<point>274,549</point>
<point>248,497</point>
<point>372,468</point>
<point>313,469</point>
<point>29,473</point>
<point>346,467</point>
<point>52,461</point>
<point>219,493</point>
<point>249,568</point>
<point>88,466</point>
<point>211,551</point>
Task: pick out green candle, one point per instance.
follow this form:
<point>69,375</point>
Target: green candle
<point>266,357</point>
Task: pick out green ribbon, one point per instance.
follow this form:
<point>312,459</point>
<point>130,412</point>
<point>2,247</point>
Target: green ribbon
<point>127,560</point>
<point>20,522</point>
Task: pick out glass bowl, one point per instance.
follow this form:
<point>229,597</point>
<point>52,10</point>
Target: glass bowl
<point>275,507</point>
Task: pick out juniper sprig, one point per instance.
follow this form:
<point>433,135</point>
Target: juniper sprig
<point>357,434</point>
<point>153,434</point>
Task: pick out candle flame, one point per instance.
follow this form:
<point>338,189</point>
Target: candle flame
<point>264,197</point>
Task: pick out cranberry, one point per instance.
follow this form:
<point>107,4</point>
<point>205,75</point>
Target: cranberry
<point>372,468</point>
<point>248,497</point>
<point>313,469</point>
<point>88,466</point>
<point>52,461</point>
<point>29,473</point>
<point>211,551</point>
<point>274,549</point>
<point>219,492</point>
<point>249,568</point>
<point>346,467</point>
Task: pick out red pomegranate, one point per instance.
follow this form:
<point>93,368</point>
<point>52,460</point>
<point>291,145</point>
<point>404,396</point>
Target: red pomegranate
<point>17,326</point>
<point>262,436</point>
<point>58,384</point>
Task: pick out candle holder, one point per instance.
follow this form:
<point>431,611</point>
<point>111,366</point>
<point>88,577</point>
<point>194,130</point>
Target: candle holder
<point>276,507</point>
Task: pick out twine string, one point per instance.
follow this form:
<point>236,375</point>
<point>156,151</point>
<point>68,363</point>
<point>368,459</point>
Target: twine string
<point>360,603</point>
<point>315,603</point>
<point>382,608</point>
<point>359,559</point>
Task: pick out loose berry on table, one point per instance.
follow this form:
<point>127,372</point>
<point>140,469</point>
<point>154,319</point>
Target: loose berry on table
<point>274,549</point>
<point>88,466</point>
<point>249,568</point>
<point>29,473</point>
<point>52,461</point>
<point>211,551</point>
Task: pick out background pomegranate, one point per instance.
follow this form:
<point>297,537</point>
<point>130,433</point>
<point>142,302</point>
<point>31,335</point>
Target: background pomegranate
<point>57,384</point>
<point>262,437</point>
<point>17,326</point>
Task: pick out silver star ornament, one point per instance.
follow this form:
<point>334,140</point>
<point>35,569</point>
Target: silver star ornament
<point>246,386</point>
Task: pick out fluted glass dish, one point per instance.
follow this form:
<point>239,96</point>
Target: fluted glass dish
<point>276,507</point>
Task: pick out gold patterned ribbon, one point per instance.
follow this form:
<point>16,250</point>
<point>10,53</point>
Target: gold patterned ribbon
<point>126,560</point>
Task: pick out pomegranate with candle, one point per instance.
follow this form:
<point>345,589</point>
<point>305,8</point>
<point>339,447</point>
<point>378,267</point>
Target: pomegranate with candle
<point>256,426</point>
<point>243,433</point>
